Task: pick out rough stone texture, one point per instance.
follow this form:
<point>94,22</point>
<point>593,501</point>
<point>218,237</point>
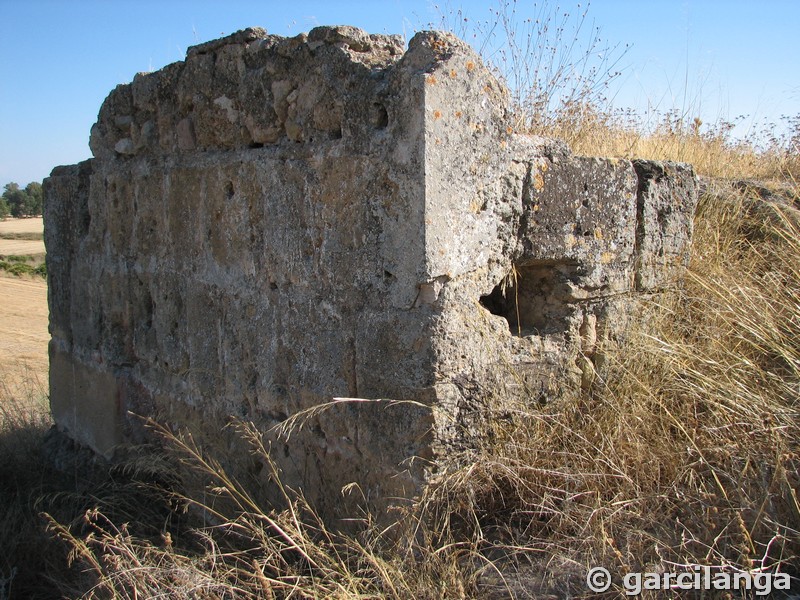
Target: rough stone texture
<point>277,222</point>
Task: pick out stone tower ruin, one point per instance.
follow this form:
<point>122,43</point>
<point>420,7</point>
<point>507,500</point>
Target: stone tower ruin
<point>277,223</point>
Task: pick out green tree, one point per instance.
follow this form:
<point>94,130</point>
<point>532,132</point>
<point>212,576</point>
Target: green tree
<point>4,210</point>
<point>35,198</point>
<point>10,188</point>
<point>15,198</point>
<point>23,203</point>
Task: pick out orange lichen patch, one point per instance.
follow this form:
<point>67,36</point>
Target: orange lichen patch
<point>509,130</point>
<point>598,233</point>
<point>437,114</point>
<point>439,45</point>
<point>430,79</point>
<point>453,74</point>
<point>474,206</point>
<point>607,258</point>
<point>488,88</point>
<point>538,181</point>
<point>470,66</point>
<point>535,208</point>
<point>458,114</point>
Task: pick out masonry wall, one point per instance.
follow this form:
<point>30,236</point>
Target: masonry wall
<point>275,223</point>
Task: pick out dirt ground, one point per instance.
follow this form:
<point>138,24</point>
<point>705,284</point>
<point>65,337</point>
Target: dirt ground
<point>23,319</point>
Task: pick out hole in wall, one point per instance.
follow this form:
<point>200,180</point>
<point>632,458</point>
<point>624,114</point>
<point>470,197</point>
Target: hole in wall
<point>316,429</point>
<point>229,190</point>
<point>380,117</point>
<point>85,221</point>
<point>535,299</point>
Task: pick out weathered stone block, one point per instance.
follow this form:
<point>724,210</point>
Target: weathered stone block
<point>276,223</point>
<point>84,400</point>
<point>667,196</point>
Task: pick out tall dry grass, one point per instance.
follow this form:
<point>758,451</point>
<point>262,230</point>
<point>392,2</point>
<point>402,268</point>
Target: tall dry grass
<point>24,420</point>
<point>712,149</point>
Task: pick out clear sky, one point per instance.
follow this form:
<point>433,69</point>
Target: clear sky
<point>59,59</point>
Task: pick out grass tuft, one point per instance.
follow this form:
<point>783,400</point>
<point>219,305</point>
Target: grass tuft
<point>24,265</point>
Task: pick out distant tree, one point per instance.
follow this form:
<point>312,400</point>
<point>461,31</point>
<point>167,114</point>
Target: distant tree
<point>15,198</point>
<point>34,192</point>
<point>23,203</point>
<point>4,210</point>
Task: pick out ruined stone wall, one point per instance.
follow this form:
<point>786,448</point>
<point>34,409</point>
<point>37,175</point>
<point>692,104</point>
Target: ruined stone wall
<point>277,222</point>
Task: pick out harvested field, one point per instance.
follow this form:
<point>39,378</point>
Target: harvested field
<point>23,335</point>
<point>21,247</point>
<point>19,236</point>
<point>12,226</point>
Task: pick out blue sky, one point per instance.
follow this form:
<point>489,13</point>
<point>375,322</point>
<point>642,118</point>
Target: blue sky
<point>58,60</point>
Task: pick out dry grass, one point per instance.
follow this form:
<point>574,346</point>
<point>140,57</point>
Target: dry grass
<point>711,148</point>
<point>24,420</point>
<point>233,546</point>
